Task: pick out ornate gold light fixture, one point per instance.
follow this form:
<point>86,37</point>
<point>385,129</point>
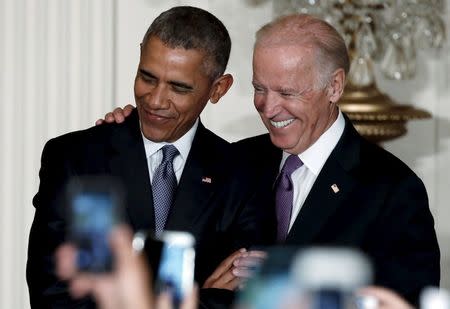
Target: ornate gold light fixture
<point>383,31</point>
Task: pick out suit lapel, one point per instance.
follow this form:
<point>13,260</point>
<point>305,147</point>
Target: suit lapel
<point>197,183</point>
<point>322,201</point>
<point>272,166</point>
<point>128,163</point>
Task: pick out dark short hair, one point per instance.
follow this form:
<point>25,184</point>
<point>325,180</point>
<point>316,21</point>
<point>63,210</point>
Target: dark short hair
<point>193,28</point>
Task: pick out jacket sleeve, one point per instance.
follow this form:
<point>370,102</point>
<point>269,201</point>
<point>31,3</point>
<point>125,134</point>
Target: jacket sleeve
<point>407,258</point>
<point>48,232</point>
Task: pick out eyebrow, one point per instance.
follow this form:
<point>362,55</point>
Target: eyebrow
<point>181,84</point>
<point>171,82</point>
<point>288,90</point>
<point>256,84</point>
<point>146,73</point>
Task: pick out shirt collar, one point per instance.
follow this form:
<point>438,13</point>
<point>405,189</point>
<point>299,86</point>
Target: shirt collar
<point>183,144</point>
<point>317,154</point>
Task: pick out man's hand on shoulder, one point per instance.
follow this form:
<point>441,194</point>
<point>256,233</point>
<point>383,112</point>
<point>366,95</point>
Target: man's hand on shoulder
<point>118,115</point>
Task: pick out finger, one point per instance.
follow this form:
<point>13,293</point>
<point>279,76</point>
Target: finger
<point>81,285</point>
<point>99,122</point>
<point>105,293</point>
<point>387,298</point>
<point>191,301</point>
<point>109,118</point>
<point>127,110</point>
<point>118,115</point>
<point>256,253</point>
<point>248,261</point>
<point>66,261</point>
<point>234,284</point>
<point>227,281</point>
<point>243,272</point>
<point>164,301</point>
<point>121,244</point>
<point>225,265</point>
<point>221,282</point>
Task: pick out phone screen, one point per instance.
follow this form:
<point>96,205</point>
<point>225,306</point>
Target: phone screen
<point>94,205</point>
<point>176,264</point>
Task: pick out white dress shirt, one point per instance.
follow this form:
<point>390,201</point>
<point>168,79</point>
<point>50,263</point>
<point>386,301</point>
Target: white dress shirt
<point>154,154</point>
<point>313,160</point>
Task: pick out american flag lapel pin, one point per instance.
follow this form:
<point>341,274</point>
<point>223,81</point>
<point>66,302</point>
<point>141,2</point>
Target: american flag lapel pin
<point>335,188</point>
<point>206,179</point>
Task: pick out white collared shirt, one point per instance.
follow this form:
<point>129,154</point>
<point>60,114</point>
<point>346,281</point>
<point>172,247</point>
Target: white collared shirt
<point>313,160</point>
<point>154,154</point>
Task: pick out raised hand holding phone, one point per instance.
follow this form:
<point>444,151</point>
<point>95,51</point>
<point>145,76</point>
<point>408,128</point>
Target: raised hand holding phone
<point>95,208</point>
<point>172,256</point>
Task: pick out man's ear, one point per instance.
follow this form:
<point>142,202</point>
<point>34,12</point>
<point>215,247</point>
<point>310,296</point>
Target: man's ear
<point>337,85</point>
<point>220,87</point>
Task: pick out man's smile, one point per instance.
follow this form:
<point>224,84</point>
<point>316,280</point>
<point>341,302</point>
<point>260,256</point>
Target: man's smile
<point>281,124</point>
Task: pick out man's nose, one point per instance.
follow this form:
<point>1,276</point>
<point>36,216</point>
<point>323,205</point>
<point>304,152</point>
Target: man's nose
<point>158,97</point>
<point>268,105</point>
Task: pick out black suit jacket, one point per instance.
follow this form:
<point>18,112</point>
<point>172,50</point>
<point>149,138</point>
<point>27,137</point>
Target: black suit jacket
<point>222,213</point>
<point>381,208</point>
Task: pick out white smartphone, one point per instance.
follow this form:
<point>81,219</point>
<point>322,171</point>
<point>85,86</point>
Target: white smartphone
<point>172,257</point>
<point>176,267</point>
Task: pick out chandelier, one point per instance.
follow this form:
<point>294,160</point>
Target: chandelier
<point>383,32</point>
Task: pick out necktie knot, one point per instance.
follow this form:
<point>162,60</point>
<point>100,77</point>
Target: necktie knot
<point>292,163</point>
<point>169,153</point>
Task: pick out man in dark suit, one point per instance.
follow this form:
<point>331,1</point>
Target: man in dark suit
<point>183,58</point>
<point>330,186</point>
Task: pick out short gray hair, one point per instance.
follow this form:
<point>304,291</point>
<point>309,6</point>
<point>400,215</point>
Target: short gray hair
<point>305,29</point>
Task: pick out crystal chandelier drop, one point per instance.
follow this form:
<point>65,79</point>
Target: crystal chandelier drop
<point>383,32</point>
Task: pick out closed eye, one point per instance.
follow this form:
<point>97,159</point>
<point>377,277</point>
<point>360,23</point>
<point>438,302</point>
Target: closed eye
<point>258,89</point>
<point>288,93</point>
<point>181,87</point>
<point>147,76</point>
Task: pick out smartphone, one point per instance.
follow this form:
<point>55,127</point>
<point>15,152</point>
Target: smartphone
<point>95,208</point>
<point>329,276</point>
<point>271,285</point>
<point>172,255</point>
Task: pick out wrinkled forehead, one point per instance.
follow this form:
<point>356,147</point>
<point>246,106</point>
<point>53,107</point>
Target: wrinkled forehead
<point>287,54</point>
<point>287,36</point>
<point>287,64</point>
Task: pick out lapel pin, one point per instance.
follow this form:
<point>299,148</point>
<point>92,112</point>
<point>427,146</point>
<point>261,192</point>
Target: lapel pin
<point>335,188</point>
<point>206,179</point>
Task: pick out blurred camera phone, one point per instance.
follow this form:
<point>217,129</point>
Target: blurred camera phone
<point>271,286</point>
<point>172,254</point>
<point>95,208</point>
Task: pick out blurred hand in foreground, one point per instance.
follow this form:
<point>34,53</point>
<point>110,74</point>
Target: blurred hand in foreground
<point>127,286</point>
<point>387,299</point>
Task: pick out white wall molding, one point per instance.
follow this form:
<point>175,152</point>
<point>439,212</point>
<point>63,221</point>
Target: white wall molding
<point>56,60</point>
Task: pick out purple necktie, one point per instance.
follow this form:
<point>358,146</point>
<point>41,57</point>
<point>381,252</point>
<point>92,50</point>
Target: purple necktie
<point>284,196</point>
<point>164,185</point>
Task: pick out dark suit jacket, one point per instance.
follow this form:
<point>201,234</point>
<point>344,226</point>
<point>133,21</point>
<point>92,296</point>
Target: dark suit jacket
<point>381,208</point>
<point>222,215</point>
